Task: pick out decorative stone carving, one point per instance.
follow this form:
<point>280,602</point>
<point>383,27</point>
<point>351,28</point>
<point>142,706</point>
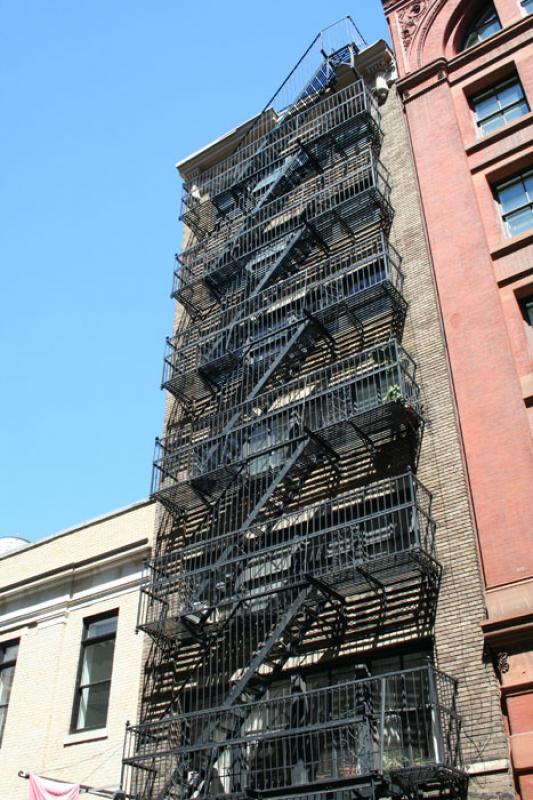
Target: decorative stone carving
<point>502,662</point>
<point>409,19</point>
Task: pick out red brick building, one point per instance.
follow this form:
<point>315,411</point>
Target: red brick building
<point>466,81</point>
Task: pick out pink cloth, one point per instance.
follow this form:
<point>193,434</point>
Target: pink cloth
<point>44,789</point>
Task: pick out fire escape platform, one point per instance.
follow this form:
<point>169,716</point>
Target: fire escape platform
<point>298,552</point>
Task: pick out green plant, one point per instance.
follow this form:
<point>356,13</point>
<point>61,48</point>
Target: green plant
<point>394,394</point>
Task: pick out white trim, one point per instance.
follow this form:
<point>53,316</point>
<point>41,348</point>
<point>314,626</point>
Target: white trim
<point>42,617</point>
<point>98,563</point>
<point>484,767</point>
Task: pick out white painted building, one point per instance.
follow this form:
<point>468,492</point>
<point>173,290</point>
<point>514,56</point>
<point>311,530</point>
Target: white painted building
<point>70,659</point>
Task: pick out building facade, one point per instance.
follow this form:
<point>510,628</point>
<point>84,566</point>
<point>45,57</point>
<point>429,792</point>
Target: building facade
<point>314,603</point>
<point>69,657</point>
<point>466,84</point>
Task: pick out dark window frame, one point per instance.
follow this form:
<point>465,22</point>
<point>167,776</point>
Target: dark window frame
<point>86,641</point>
<point>502,110</point>
<point>528,204</point>
<point>7,663</point>
<point>526,307</point>
<point>486,17</point>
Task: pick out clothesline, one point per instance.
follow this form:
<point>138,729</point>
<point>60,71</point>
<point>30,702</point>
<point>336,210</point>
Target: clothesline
<point>117,794</point>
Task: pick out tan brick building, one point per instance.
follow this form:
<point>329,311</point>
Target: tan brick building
<point>68,612</point>
<point>315,592</point>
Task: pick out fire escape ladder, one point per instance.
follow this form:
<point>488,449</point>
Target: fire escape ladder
<point>237,193</point>
<point>294,346</point>
<point>308,595</point>
<point>288,482</point>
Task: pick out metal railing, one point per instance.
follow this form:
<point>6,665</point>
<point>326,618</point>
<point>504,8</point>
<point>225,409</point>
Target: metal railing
<point>334,122</point>
<point>291,245</point>
<point>338,292</point>
<point>350,201</point>
<point>382,527</point>
<point>401,726</point>
<point>259,436</point>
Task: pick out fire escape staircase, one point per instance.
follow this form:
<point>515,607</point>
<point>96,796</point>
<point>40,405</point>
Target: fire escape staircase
<point>227,647</point>
<point>296,166</point>
<point>274,241</point>
<point>303,608</point>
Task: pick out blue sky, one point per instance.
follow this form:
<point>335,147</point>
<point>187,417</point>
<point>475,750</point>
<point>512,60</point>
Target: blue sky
<point>99,100</point>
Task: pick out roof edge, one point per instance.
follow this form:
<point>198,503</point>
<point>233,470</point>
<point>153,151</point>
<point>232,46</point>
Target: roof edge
<point>79,527</point>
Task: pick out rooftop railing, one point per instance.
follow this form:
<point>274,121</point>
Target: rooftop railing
<point>401,727</point>
<point>335,122</point>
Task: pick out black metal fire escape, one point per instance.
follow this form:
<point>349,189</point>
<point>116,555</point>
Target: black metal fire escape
<point>305,535</point>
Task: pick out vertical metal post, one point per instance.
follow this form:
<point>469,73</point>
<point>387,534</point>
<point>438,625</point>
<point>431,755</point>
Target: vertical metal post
<point>382,724</point>
<point>124,755</point>
<point>415,518</point>
<point>401,370</point>
<point>436,720</point>
<point>456,756</point>
<point>405,711</point>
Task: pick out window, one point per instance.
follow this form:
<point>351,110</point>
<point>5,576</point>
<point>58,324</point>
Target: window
<point>94,675</point>
<point>499,105</point>
<point>516,203</point>
<point>8,660</point>
<point>485,25</point>
<point>527,5</point>
<point>526,304</point>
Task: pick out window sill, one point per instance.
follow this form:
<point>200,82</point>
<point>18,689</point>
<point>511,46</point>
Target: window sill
<point>507,246</point>
<point>85,736</point>
<point>506,130</point>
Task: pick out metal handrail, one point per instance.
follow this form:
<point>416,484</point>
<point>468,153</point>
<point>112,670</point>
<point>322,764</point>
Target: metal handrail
<point>247,325</point>
<point>421,700</point>
<point>379,525</point>
<point>237,244</point>
<point>265,425</point>
<point>263,155</point>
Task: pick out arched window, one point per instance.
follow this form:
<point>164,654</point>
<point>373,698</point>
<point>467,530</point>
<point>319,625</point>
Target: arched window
<point>484,25</point>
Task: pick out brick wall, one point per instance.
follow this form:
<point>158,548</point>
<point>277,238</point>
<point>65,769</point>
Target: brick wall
<point>459,640</point>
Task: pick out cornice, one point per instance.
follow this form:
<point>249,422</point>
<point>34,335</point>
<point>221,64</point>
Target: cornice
<point>429,76</point>
<point>450,66</point>
<point>376,59</point>
<point>99,561</point>
<point>508,631</point>
<point>57,612</point>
